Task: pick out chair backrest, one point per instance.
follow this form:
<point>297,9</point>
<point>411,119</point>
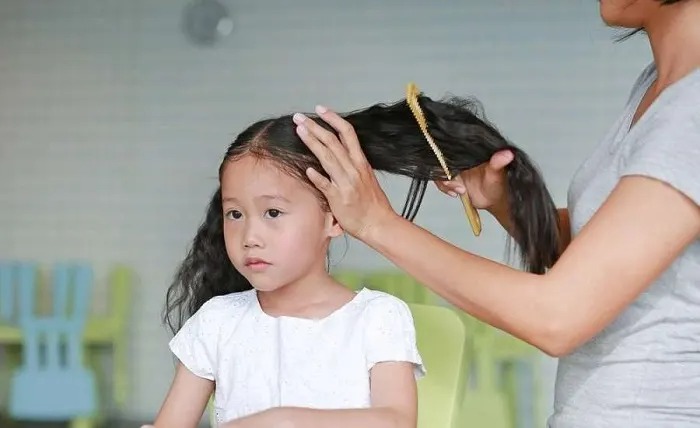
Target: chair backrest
<point>121,287</point>
<point>441,337</point>
<point>6,291</point>
<point>391,281</point>
<point>53,384</point>
<point>121,283</point>
<point>13,275</point>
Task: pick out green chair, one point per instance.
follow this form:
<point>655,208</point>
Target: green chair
<point>390,281</point>
<point>485,403</point>
<point>520,362</point>
<point>111,330</point>
<point>441,338</point>
<point>211,412</point>
<point>512,359</point>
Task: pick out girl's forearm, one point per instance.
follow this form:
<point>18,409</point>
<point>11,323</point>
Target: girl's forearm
<point>299,417</point>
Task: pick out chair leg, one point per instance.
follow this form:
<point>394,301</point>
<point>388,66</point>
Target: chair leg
<point>120,374</point>
<point>510,387</point>
<point>93,362</point>
<point>12,360</point>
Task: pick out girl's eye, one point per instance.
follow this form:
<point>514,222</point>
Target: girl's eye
<point>234,215</point>
<point>273,213</point>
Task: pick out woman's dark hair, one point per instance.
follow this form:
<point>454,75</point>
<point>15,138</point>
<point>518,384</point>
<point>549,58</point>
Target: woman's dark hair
<point>392,142</point>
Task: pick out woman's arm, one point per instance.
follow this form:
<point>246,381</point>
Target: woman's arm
<point>636,234</point>
<point>186,400</point>
<point>616,256</point>
<point>393,398</point>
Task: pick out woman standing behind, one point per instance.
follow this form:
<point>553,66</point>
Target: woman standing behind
<point>621,306</point>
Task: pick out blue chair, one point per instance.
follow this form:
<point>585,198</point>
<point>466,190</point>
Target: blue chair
<point>53,385</point>
<point>10,271</point>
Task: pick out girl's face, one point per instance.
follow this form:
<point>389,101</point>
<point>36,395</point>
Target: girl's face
<point>628,13</point>
<point>275,230</point>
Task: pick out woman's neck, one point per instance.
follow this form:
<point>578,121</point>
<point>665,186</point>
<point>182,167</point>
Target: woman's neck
<point>674,34</point>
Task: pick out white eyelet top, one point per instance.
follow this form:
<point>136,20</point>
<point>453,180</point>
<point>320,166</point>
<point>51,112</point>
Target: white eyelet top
<point>260,362</point>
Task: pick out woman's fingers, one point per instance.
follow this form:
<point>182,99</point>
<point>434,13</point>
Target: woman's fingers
<point>483,182</point>
<point>322,183</point>
<point>352,190</point>
<point>335,148</point>
<point>500,160</point>
<point>347,133</point>
<point>328,160</point>
<point>452,188</point>
<point>493,174</point>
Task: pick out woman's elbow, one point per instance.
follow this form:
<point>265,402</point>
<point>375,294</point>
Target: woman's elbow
<point>557,350</point>
<point>559,340</point>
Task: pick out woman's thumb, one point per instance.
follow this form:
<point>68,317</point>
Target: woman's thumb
<point>500,159</point>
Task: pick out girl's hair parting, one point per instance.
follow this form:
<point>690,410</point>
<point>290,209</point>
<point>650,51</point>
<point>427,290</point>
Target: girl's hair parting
<point>392,142</point>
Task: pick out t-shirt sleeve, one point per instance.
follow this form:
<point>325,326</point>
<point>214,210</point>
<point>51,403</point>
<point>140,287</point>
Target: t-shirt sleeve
<point>391,334</point>
<point>670,153</point>
<point>195,345</point>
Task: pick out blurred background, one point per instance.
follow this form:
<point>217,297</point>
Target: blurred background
<point>114,116</point>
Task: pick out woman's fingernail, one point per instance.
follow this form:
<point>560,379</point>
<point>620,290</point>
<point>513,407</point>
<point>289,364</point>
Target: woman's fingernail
<point>460,189</point>
<point>302,130</point>
<point>321,109</point>
<point>298,118</point>
<point>451,193</point>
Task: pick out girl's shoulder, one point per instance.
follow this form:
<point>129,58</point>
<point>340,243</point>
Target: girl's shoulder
<point>382,305</point>
<point>379,299</point>
<point>227,304</point>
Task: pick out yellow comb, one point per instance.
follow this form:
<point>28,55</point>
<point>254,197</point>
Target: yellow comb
<point>412,100</point>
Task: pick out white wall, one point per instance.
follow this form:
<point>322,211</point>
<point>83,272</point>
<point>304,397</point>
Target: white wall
<point>112,125</point>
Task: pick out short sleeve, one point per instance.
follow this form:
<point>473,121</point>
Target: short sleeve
<point>670,152</point>
<point>195,345</point>
<point>391,334</point>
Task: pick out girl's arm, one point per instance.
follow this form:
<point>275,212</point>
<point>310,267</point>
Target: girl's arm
<point>393,397</point>
<point>186,400</point>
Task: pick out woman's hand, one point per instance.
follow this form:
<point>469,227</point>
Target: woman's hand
<point>353,193</point>
<point>485,184</point>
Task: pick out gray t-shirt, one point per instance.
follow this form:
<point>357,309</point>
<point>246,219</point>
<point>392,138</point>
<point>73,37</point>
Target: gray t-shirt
<point>643,370</point>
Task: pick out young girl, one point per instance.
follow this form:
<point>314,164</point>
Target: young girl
<point>267,328</point>
<point>272,333</point>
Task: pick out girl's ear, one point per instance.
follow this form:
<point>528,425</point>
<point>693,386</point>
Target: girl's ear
<point>332,226</point>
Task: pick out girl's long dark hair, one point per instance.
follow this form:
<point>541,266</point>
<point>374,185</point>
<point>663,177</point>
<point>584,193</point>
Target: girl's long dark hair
<point>392,142</point>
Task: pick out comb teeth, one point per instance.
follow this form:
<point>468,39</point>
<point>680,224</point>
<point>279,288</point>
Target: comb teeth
<point>412,101</point>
